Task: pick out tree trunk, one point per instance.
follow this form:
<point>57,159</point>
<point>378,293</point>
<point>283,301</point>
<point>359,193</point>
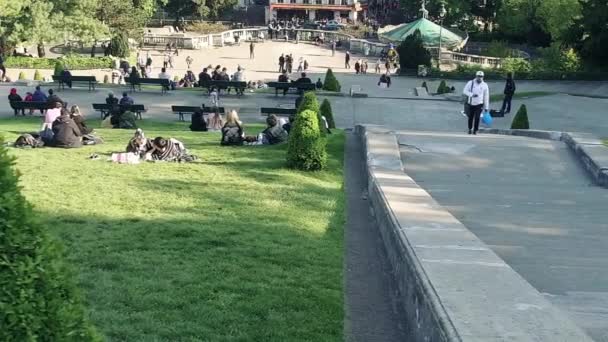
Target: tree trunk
<point>41,50</point>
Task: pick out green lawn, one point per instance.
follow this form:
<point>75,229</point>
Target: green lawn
<point>233,248</point>
<point>523,94</point>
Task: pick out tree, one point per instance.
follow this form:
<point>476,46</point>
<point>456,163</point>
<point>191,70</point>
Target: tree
<point>520,121</point>
<point>201,8</point>
<point>327,113</point>
<point>331,83</point>
<point>310,102</point>
<point>412,52</point>
<point>306,149</point>
<point>39,299</point>
<point>120,45</point>
<point>127,16</point>
<point>589,33</point>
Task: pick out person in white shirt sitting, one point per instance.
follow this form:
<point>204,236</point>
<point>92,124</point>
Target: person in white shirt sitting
<point>239,76</point>
<point>478,99</point>
<point>165,75</point>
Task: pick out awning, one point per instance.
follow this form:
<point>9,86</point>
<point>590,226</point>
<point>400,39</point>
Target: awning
<point>312,7</point>
<point>430,34</point>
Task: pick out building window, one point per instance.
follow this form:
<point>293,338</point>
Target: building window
<point>319,2</point>
<point>332,2</point>
<point>307,2</point>
<point>280,1</point>
<point>292,1</point>
<point>344,2</point>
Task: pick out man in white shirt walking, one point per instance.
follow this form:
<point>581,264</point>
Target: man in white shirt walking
<point>478,99</point>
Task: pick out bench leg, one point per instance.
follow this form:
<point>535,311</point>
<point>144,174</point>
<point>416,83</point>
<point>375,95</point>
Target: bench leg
<point>181,117</point>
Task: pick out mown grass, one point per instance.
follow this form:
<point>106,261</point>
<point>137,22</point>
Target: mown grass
<point>520,95</point>
<point>232,248</point>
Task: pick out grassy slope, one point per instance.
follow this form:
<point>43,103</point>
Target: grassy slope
<point>233,248</point>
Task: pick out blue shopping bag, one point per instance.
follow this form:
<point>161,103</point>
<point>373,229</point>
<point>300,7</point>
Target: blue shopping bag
<point>487,118</point>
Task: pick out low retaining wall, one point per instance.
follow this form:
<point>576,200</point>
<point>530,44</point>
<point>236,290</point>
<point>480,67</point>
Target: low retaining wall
<point>452,286</point>
<point>588,148</point>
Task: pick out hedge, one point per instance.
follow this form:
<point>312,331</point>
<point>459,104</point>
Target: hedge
<point>310,102</point>
<point>39,301</point>
<point>497,74</point>
<point>72,62</point>
<point>306,148</point>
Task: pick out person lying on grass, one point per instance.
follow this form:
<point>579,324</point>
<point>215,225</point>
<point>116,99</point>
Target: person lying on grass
<point>159,148</point>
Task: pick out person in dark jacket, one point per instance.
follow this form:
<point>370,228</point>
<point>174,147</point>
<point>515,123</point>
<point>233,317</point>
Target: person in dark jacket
<point>66,132</point>
<point>14,97</point>
<point>198,121</point>
<point>53,98</point>
<point>126,100</point>
<point>39,95</point>
<point>284,78</point>
<point>319,84</point>
<point>385,81</point>
<point>304,79</point>
<point>509,92</point>
<point>203,77</point>
<point>274,133</point>
<point>67,76</point>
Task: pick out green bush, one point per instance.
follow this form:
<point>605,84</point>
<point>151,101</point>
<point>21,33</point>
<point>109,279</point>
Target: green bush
<point>310,102</point>
<point>22,75</point>
<point>520,121</point>
<point>120,45</point>
<point>59,67</point>
<point>554,58</point>
<point>443,88</point>
<point>37,76</point>
<point>498,48</point>
<point>516,66</point>
<point>106,79</point>
<point>412,52</point>
<point>73,62</point>
<point>328,113</point>
<point>306,149</point>
<point>39,300</point>
<point>331,83</point>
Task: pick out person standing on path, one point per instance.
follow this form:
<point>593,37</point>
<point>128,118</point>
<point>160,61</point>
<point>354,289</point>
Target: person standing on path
<point>171,60</point>
<point>347,60</point>
<point>509,92</point>
<point>333,48</point>
<point>251,50</point>
<point>478,99</point>
<point>281,63</point>
<point>189,61</point>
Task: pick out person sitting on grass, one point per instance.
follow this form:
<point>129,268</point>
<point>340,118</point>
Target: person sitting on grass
<point>66,132</point>
<point>198,121</point>
<point>14,97</point>
<point>52,98</point>
<point>274,133</point>
<point>51,115</point>
<point>123,119</point>
<point>78,118</point>
<point>215,121</point>
<point>232,132</point>
<point>169,150</point>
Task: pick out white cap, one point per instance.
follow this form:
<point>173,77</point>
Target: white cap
<point>479,74</point>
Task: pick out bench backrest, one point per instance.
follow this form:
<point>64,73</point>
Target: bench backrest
<point>236,84</point>
<point>279,84</point>
<point>213,109</point>
<point>30,105</point>
<point>161,81</point>
<point>105,106</point>
<point>75,78</point>
<point>281,111</point>
<point>185,109</point>
<point>283,85</point>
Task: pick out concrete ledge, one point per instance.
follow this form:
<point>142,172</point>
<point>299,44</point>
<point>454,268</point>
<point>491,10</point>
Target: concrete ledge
<point>452,286</point>
<point>589,149</point>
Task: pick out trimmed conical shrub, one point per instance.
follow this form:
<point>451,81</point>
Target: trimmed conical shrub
<point>120,46</point>
<point>331,83</point>
<point>37,76</point>
<point>443,88</point>
<point>22,75</point>
<point>306,147</point>
<point>327,113</point>
<point>310,102</point>
<point>520,121</point>
<point>59,67</point>
<point>106,79</point>
<point>39,300</point>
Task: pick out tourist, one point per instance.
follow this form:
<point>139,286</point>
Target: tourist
<point>52,98</point>
<point>198,123</point>
<point>176,49</point>
<point>478,99</point>
<point>134,75</point>
<point>319,84</point>
<point>166,60</point>
<point>165,75</point>
<point>141,61</point>
<point>282,63</point>
<point>274,133</point>
<point>385,81</point>
<point>67,77</point>
<point>239,76</point>
<point>171,60</point>
<point>214,98</point>
<point>333,48</point>
<point>284,78</point>
<point>215,121</point>
<point>78,118</point>
<point>169,150</point>
<point>378,63</point>
<point>14,97</point>
<point>51,115</point>
<point>216,74</point>
<point>251,50</point>
<point>203,78</point>
<point>305,65</point>
<point>149,61</point>
<point>301,65</point>
<point>357,66</point>
<point>189,61</point>
<point>509,91</point>
<point>39,95</point>
<point>364,67</point>
<point>289,63</point>
<point>303,79</point>
<point>66,133</point>
<point>232,131</point>
<point>347,60</point>
<point>2,68</point>
<point>126,100</point>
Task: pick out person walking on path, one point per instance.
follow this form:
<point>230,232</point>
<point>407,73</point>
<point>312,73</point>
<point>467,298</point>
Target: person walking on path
<point>347,60</point>
<point>333,48</point>
<point>251,50</point>
<point>509,92</point>
<point>171,60</point>
<point>478,99</point>
<point>281,63</point>
<point>189,61</point>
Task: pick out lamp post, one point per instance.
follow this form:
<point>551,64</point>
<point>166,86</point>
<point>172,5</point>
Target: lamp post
<point>442,13</point>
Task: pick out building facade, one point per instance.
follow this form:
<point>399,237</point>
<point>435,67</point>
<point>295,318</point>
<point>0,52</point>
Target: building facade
<point>312,10</point>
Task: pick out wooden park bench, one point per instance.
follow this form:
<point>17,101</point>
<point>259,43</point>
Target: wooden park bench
<point>294,85</point>
<point>104,109</point>
<point>181,110</point>
<point>164,83</point>
<point>34,105</point>
<point>63,80</point>
<point>277,111</point>
<point>236,85</point>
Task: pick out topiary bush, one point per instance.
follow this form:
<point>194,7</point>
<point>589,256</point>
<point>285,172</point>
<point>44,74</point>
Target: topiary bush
<point>328,113</point>
<point>120,45</point>
<point>443,88</point>
<point>37,76</point>
<point>39,300</point>
<point>412,52</point>
<point>520,121</point>
<point>106,79</point>
<point>59,67</point>
<point>310,102</point>
<point>331,83</point>
<point>306,149</point>
<point>22,75</point>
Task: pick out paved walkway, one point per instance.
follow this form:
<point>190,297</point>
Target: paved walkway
<point>532,203</point>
